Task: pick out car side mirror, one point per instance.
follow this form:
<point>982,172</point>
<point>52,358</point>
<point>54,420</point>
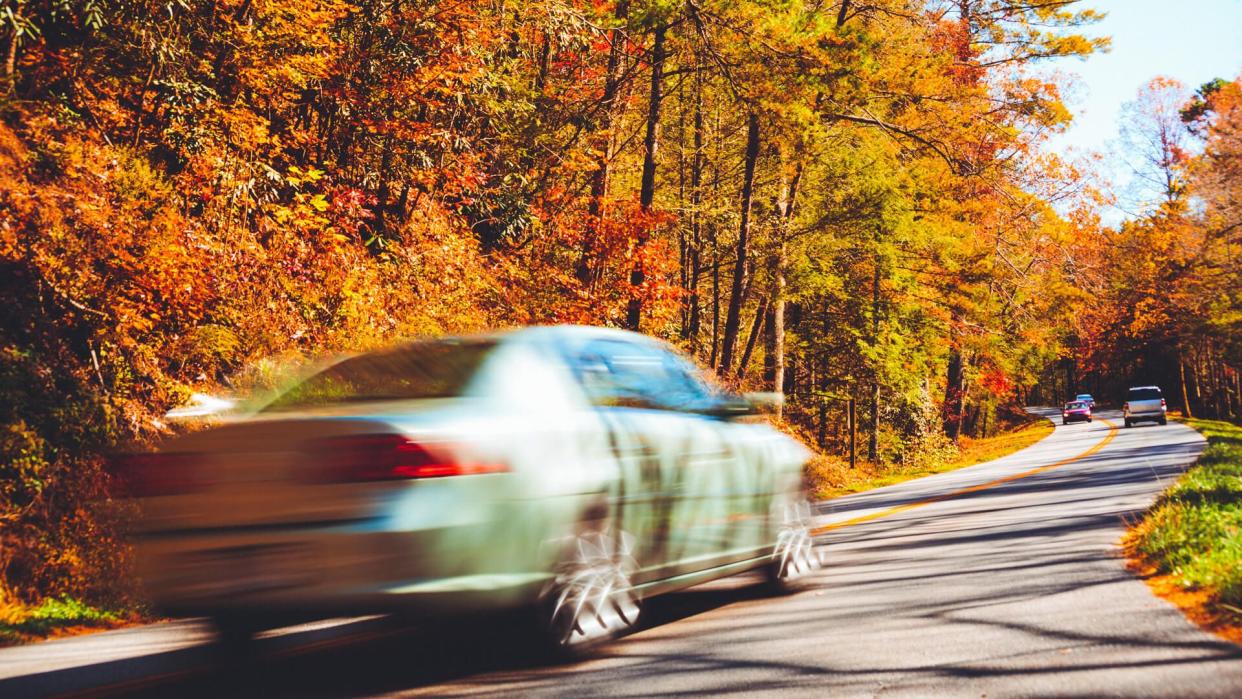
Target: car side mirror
<point>729,406</point>
<point>767,402</point>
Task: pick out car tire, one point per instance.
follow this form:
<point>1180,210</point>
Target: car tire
<point>1129,422</point>
<point>590,599</point>
<point>1164,420</point>
<point>1064,422</point>
<point>794,556</point>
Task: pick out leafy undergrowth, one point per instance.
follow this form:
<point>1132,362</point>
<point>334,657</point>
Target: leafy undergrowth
<point>1190,543</point>
<point>831,476</point>
<point>56,617</point>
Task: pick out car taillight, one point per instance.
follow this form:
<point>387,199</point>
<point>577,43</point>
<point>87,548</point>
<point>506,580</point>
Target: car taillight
<point>155,474</point>
<point>1162,405</point>
<point>383,458</point>
<point>1125,406</point>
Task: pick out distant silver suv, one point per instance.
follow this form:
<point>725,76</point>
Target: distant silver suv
<point>1144,403</point>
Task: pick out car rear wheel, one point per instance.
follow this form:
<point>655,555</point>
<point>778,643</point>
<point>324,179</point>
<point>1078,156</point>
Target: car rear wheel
<point>590,600</point>
<point>1129,422</point>
<point>794,557</point>
<point>1164,420</point>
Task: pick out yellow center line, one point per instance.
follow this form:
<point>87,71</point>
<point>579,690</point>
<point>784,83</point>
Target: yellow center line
<point>1112,432</point>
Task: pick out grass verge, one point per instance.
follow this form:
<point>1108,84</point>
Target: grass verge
<point>1189,545</point>
<point>54,617</point>
<point>832,477</point>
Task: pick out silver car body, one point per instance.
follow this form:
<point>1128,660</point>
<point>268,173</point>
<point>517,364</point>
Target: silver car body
<point>1144,403</point>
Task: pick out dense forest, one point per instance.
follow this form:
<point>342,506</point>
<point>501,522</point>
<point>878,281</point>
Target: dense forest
<point>850,202</point>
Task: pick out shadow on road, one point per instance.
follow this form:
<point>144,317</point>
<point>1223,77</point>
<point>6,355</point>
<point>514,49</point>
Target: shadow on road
<point>362,658</point>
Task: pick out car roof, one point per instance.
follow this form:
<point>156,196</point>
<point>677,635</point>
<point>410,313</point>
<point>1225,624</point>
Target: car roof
<point>561,333</point>
<point>577,335</point>
<point>1135,388</point>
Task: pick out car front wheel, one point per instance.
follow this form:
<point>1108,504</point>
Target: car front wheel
<point>590,600</point>
<point>794,557</point>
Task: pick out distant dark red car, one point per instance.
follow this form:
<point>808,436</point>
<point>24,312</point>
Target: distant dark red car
<point>1076,411</point>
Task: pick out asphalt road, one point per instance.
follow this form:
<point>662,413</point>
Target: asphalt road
<point>1003,579</point>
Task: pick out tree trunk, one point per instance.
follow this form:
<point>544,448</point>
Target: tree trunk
<point>843,13</point>
<point>715,296</point>
<point>769,348</point>
<point>606,147</point>
<point>646,191</point>
<point>778,340</point>
<point>696,221</point>
<point>874,441</point>
<point>853,418</point>
<point>1237,389</point>
<point>1071,383</point>
<point>952,406</point>
<point>790,195</point>
<point>761,313</point>
<point>821,422</point>
<point>1181,374</point>
<point>683,233</point>
<point>733,316</point>
<point>1218,394</point>
<point>10,64</point>
<point>1195,377</point>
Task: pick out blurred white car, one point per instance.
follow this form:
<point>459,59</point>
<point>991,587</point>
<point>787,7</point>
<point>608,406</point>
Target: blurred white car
<point>567,470</point>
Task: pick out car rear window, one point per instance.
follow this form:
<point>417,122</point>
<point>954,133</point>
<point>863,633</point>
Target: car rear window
<point>1075,406</point>
<point>439,369</point>
<point>1143,394</point>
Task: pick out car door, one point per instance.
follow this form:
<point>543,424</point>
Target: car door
<point>733,496</point>
<point>674,459</point>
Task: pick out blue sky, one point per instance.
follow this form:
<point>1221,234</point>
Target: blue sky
<point>1191,40</point>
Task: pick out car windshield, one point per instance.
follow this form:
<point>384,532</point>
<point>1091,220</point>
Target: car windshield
<point>439,369</point>
<point>1143,394</point>
<point>1085,396</point>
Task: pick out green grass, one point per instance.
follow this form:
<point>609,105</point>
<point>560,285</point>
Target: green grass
<point>1193,533</point>
<point>52,617</point>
